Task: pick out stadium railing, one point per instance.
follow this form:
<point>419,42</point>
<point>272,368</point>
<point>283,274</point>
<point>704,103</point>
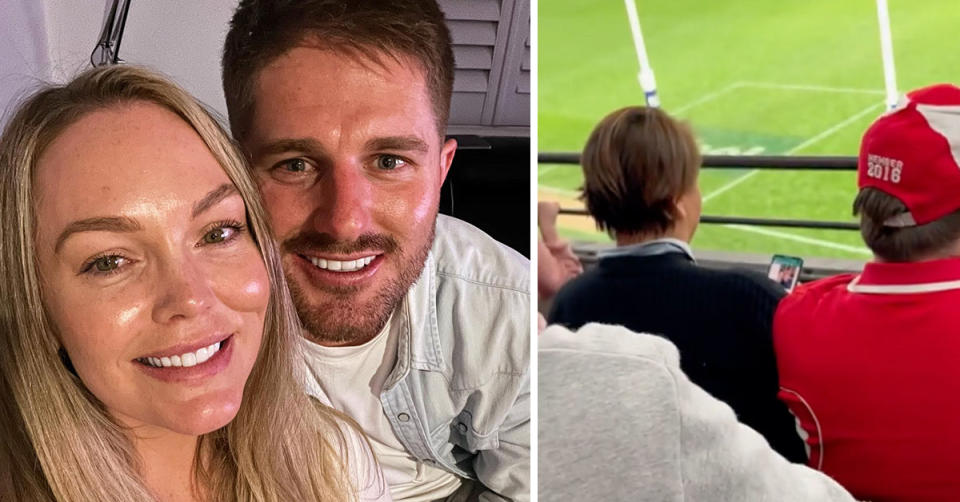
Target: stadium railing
<point>814,268</point>
<point>767,162</point>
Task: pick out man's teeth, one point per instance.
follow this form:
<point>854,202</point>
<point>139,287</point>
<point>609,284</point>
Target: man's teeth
<point>342,266</point>
<point>183,360</point>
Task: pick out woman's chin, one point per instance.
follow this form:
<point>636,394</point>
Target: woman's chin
<point>206,418</point>
<point>192,418</point>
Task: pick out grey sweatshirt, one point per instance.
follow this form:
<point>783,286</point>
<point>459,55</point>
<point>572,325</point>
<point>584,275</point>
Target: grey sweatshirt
<point>618,420</point>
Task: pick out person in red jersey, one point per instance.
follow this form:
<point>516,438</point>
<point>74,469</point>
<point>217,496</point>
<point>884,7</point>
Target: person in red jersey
<point>868,362</point>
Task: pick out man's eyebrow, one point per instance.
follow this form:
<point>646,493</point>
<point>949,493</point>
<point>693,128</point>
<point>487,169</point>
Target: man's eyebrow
<point>401,143</point>
<point>305,145</point>
<point>216,195</point>
<point>98,224</point>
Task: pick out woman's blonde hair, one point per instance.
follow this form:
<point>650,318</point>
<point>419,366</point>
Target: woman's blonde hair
<point>57,442</point>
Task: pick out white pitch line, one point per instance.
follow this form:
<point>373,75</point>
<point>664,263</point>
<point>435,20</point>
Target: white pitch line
<point>544,170</point>
<point>728,185</point>
<point>697,102</point>
<point>814,139</point>
<point>800,238</point>
<point>705,98</point>
<point>677,112</point>
<point>816,88</point>
<point>836,127</point>
<point>773,233</point>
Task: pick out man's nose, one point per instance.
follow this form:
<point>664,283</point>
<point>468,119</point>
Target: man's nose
<point>344,211</point>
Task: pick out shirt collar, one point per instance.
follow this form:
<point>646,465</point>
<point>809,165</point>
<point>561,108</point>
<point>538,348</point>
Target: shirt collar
<point>418,334</point>
<point>654,247</point>
<point>906,278</point>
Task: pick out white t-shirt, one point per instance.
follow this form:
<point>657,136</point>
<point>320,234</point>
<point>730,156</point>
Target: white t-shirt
<point>351,379</point>
<point>365,473</point>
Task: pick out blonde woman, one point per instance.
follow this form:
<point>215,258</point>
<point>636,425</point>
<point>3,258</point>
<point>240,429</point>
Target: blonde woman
<point>148,344</point>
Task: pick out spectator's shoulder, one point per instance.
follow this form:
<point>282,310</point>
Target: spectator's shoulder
<point>748,281</point>
<point>614,341</point>
<point>806,296</point>
<point>463,252</point>
<point>583,283</point>
<point>567,306</point>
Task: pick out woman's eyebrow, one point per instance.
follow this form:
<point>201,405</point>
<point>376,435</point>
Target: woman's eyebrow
<point>98,224</point>
<point>126,224</point>
<point>216,195</point>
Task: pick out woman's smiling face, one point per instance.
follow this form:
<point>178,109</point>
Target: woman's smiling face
<point>155,286</point>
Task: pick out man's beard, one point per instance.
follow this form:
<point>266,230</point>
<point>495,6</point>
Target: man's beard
<point>341,320</point>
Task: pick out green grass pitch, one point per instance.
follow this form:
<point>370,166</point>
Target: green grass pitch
<point>751,76</point>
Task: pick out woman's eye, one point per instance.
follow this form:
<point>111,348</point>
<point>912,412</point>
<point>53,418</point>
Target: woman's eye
<point>107,263</point>
<point>389,162</point>
<point>104,265</point>
<point>217,235</point>
<point>222,232</point>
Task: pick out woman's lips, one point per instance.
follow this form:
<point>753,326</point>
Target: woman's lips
<point>186,360</point>
<point>191,365</point>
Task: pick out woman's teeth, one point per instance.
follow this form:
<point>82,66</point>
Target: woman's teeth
<point>342,266</point>
<point>183,360</point>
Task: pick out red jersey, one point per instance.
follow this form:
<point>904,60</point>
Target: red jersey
<point>870,366</point>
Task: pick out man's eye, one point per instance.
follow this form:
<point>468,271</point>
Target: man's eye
<point>389,162</point>
<point>294,165</point>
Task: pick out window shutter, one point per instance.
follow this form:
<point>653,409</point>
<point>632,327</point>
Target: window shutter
<point>491,46</point>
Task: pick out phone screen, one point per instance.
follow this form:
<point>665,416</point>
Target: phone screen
<point>785,270</point>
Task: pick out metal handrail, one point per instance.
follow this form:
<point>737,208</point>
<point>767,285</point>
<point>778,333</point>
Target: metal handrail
<point>774,162</point>
<point>757,222</point>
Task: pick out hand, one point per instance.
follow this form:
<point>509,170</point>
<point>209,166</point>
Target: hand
<point>547,212</point>
<point>566,258</point>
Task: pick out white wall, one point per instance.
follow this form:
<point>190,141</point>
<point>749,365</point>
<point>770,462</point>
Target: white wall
<point>23,50</point>
<point>181,38</point>
<point>52,40</point>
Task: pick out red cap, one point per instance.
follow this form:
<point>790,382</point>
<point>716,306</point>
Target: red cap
<point>913,153</point>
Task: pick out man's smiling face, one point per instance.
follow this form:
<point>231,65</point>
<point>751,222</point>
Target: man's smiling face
<point>350,164</point>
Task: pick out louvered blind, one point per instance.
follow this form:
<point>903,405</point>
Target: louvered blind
<point>491,45</point>
<point>513,97</point>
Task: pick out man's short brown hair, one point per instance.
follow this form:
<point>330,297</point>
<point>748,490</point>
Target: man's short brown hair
<point>636,164</point>
<point>901,244</point>
<point>262,30</point>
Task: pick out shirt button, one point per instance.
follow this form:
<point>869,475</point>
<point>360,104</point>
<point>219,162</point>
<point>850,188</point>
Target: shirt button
<point>462,428</point>
<point>403,417</point>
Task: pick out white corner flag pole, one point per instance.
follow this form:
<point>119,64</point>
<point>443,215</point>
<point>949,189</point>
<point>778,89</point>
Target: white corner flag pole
<point>647,82</point>
<point>886,49</point>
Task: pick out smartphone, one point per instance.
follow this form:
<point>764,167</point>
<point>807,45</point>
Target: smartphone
<point>785,270</point>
